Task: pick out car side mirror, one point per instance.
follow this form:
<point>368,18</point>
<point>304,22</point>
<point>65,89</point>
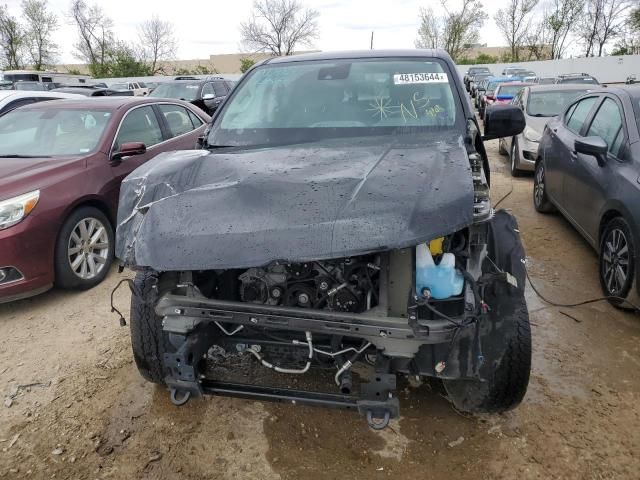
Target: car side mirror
<point>594,146</point>
<point>503,121</point>
<point>208,96</point>
<point>129,150</point>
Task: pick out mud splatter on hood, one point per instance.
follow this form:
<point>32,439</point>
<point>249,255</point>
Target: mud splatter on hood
<point>232,208</point>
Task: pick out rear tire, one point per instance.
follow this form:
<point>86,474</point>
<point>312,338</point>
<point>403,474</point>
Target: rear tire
<point>617,261</point>
<point>541,201</point>
<point>147,338</point>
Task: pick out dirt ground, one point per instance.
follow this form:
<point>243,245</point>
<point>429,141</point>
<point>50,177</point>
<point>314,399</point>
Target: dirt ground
<point>76,408</point>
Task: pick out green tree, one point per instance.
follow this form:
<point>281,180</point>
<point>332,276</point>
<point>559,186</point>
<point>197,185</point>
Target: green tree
<point>246,64</point>
<point>124,62</point>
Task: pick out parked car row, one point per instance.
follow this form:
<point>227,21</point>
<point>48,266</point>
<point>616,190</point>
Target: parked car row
<point>583,144</point>
<point>476,76</point>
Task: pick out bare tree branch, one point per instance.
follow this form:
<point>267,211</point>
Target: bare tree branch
<point>12,41</point>
<point>96,36</point>
<point>603,21</point>
<point>454,31</point>
<point>513,21</point>
<point>39,28</point>
<point>279,26</point>
<point>158,42</point>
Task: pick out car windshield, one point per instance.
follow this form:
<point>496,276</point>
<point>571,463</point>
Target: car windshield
<point>181,90</point>
<point>119,86</point>
<point>508,90</point>
<point>491,86</point>
<point>551,103</point>
<point>308,101</point>
<point>46,132</point>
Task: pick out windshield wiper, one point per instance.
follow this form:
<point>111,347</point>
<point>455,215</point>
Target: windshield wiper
<point>17,155</point>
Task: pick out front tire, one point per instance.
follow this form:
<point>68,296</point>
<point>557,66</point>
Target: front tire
<point>505,388</point>
<point>617,263</point>
<point>541,201</point>
<point>84,249</point>
<point>514,157</point>
<point>147,337</point>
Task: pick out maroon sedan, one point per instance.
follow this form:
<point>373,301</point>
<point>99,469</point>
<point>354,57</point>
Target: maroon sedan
<point>61,164</point>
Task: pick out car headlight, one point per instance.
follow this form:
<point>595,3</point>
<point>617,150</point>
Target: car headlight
<point>15,209</point>
<point>532,135</point>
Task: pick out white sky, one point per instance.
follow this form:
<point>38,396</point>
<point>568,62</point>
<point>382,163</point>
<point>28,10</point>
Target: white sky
<point>210,27</point>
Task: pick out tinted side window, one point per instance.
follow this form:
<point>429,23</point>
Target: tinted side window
<point>579,114</point>
<point>607,124</point>
<point>195,120</point>
<point>140,125</point>
<point>207,89</point>
<point>221,88</point>
<point>17,103</point>
<point>177,118</point>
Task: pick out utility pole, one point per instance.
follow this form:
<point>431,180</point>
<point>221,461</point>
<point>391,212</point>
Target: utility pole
<point>371,40</point>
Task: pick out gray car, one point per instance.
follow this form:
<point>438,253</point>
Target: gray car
<point>588,168</point>
<point>539,104</point>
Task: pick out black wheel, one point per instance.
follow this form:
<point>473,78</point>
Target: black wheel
<point>506,385</point>
<point>501,149</point>
<point>147,338</point>
<point>514,157</point>
<point>540,200</point>
<point>84,249</point>
<point>505,333</point>
<point>617,263</point>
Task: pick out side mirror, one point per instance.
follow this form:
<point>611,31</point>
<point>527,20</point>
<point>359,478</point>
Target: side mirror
<point>129,150</point>
<point>503,121</point>
<point>208,96</point>
<point>594,146</point>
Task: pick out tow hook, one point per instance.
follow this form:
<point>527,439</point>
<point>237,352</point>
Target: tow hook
<point>180,397</point>
<point>378,423</point>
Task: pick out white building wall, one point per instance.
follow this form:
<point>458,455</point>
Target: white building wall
<point>605,69</point>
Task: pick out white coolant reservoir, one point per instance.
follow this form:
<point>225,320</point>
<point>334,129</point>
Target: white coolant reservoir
<point>442,280</point>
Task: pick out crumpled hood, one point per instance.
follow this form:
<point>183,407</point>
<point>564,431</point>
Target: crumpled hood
<point>197,210</point>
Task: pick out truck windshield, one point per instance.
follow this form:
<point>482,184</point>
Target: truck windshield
<point>315,100</point>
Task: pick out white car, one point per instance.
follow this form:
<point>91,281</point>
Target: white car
<point>140,89</point>
<point>12,99</point>
<point>539,103</point>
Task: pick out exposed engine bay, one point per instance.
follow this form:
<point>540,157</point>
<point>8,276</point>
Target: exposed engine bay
<point>343,285</point>
<point>437,309</point>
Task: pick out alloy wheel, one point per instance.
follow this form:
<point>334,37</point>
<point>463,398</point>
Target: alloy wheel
<point>88,248</point>
<point>615,261</point>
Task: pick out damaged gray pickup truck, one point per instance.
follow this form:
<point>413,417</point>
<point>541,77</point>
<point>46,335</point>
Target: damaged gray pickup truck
<point>333,234</point>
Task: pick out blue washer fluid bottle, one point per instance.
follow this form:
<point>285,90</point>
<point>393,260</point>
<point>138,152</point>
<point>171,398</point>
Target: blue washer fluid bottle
<point>442,280</point>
